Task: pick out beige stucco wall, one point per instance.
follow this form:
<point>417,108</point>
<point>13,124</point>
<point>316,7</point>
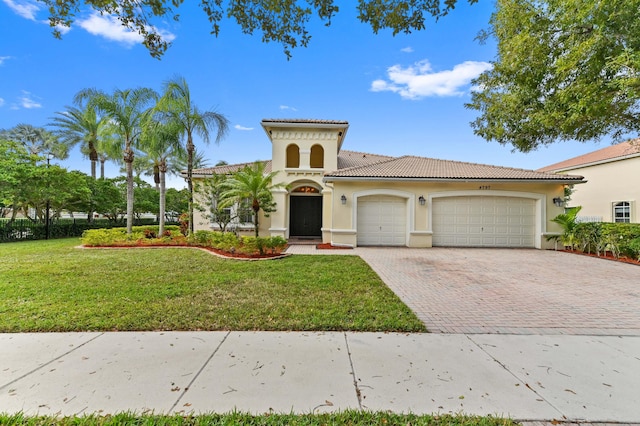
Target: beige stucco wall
<point>339,220</point>
<point>304,139</point>
<point>201,223</point>
<point>339,225</point>
<point>607,184</point>
<point>342,229</point>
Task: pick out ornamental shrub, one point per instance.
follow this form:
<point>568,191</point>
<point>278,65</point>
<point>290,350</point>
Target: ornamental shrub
<point>103,237</point>
<point>633,248</point>
<point>615,238</point>
<point>119,237</point>
<point>147,236</point>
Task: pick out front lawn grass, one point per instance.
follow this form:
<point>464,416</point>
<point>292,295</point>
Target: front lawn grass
<point>352,418</point>
<point>54,286</point>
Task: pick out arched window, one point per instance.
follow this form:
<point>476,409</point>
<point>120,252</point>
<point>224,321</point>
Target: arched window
<point>317,157</point>
<point>622,212</point>
<point>306,190</point>
<point>293,157</point>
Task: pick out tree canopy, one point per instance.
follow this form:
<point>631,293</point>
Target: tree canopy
<point>565,70</point>
<point>283,22</point>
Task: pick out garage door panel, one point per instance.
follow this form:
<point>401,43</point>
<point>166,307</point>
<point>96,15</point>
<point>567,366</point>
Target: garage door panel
<point>381,221</point>
<point>484,221</point>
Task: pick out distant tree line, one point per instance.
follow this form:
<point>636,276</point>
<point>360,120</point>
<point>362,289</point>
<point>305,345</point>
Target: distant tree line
<point>143,131</point>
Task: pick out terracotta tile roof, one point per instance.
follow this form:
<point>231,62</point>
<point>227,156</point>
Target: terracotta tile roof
<point>303,121</point>
<point>348,159</point>
<point>345,159</point>
<point>611,153</point>
<point>352,164</point>
<point>224,170</point>
<point>411,167</point>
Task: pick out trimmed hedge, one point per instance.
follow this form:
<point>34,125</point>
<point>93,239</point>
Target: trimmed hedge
<point>140,235</point>
<point>616,238</point>
<point>231,243</point>
<point>148,236</point>
<point>27,229</point>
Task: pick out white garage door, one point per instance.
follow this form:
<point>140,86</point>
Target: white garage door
<point>382,221</point>
<point>483,222</point>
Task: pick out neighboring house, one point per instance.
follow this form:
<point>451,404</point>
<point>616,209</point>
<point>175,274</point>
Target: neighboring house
<point>355,199</point>
<point>612,190</point>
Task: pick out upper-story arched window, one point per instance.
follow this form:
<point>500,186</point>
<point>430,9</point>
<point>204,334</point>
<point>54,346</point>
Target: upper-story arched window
<point>317,157</point>
<point>293,156</point>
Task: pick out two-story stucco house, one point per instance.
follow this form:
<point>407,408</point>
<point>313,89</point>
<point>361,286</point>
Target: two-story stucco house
<point>355,199</point>
<point>612,190</point>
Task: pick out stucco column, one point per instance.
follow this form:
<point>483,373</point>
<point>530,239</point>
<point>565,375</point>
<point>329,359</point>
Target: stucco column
<point>327,214</point>
<point>305,159</point>
<point>279,218</point>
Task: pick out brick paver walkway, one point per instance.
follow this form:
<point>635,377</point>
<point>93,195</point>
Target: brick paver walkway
<point>509,291</point>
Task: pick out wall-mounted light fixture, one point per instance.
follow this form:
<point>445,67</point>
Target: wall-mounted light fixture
<point>559,202</point>
<point>421,200</point>
<point>343,199</point>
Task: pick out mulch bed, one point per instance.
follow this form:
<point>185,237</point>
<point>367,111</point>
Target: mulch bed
<point>219,253</point>
<point>329,246</point>
<point>606,256</point>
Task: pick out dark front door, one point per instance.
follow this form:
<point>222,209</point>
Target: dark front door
<point>305,216</point>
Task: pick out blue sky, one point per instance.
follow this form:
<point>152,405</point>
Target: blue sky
<point>401,95</point>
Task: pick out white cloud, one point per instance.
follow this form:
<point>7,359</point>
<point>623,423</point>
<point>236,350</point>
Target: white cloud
<point>111,28</point>
<point>239,127</point>
<point>1,102</point>
<point>407,49</point>
<point>284,107</point>
<point>4,58</point>
<point>419,80</point>
<point>61,28</point>
<point>27,101</point>
<point>27,9</point>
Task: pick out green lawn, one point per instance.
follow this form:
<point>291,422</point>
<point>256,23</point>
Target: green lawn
<point>352,418</point>
<point>54,286</point>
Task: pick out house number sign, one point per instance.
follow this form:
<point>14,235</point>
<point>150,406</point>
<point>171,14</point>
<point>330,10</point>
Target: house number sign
<point>485,187</point>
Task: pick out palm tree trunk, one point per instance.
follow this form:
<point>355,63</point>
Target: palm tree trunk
<point>163,193</point>
<point>93,157</point>
<point>255,219</point>
<point>190,149</point>
<point>156,176</point>
<point>93,176</point>
<point>128,159</point>
<point>102,161</point>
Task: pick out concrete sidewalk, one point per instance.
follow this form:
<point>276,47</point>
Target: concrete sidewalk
<point>534,378</point>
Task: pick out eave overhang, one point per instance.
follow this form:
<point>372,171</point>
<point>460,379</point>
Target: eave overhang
<point>269,124</point>
<point>428,179</point>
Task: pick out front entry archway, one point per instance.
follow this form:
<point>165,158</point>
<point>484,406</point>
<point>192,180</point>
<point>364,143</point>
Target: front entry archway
<point>305,216</point>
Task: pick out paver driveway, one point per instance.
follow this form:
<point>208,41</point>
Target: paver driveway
<point>510,291</point>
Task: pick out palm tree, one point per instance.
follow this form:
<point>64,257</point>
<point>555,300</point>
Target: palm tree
<point>199,161</point>
<point>126,111</point>
<point>80,126</point>
<point>568,221</point>
<point>38,140</point>
<point>176,105</point>
<point>253,184</point>
<point>160,144</point>
<point>108,147</point>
